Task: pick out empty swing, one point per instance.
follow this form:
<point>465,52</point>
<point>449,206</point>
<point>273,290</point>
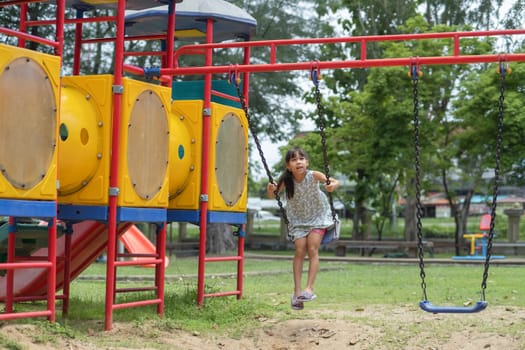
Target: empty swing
<point>425,304</point>
<point>332,232</point>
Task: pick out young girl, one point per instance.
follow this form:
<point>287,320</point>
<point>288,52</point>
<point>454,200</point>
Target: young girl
<point>308,213</point>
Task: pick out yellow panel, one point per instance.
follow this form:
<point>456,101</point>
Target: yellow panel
<point>29,114</point>
<point>228,170</point>
<point>144,144</point>
<point>186,126</point>
<point>85,139</point>
<point>189,33</point>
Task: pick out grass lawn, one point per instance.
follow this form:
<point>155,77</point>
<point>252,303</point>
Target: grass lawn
<point>353,294</point>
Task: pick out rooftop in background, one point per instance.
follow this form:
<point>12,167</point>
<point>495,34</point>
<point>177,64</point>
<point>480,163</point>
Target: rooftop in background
<point>229,21</point>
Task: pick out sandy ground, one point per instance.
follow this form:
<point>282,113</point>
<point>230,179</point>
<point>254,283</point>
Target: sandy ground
<point>404,327</point>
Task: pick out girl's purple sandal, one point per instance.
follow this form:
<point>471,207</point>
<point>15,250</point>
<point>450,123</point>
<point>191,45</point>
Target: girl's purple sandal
<point>306,296</point>
<point>296,303</point>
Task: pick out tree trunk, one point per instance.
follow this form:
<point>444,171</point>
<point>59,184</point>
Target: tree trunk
<point>220,238</point>
<point>461,223</point>
<point>410,219</point>
<point>359,217</point>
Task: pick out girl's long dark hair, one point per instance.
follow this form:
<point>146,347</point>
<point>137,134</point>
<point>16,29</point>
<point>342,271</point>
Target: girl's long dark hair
<point>287,177</point>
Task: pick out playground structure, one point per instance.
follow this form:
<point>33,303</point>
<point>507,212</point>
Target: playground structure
<point>478,242</point>
<point>126,151</point>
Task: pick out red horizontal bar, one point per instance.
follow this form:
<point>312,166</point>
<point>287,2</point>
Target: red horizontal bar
<point>127,38</point>
<point>30,314</point>
<point>363,62</point>
<point>138,262</point>
<point>137,289</point>
<point>223,258</point>
<point>136,303</point>
<point>17,2</point>
<point>223,95</point>
<point>29,298</point>
<point>386,62</point>
<point>29,37</point>
<point>355,39</point>
<point>145,53</point>
<point>23,265</point>
<point>72,20</point>
<point>137,255</point>
<point>222,294</point>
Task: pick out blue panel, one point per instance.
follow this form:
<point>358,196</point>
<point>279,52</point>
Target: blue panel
<point>428,307</point>
<point>82,212</point>
<point>157,215</point>
<point>183,216</point>
<point>226,217</point>
<point>25,208</point>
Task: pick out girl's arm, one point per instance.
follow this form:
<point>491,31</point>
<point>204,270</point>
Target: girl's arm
<point>334,183</point>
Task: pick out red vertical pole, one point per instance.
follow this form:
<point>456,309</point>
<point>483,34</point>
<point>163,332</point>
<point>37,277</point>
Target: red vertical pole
<point>10,274</point>
<point>67,270</point>
<point>52,270</point>
<point>240,262</point>
<point>52,229</point>
<point>160,268</point>
<point>59,34</point>
<point>240,243</point>
<point>206,125</point>
<point>78,44</point>
<point>170,42</point>
<point>22,25</point>
<point>246,80</point>
<point>113,190</point>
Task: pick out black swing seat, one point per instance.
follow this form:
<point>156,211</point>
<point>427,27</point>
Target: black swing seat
<point>428,307</point>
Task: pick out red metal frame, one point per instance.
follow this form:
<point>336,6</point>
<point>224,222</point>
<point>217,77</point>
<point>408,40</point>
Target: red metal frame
<point>159,258</point>
<point>363,62</point>
<point>51,259</point>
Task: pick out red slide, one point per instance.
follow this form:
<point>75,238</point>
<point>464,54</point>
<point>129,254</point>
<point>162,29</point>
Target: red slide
<point>88,242</point>
<point>136,243</point>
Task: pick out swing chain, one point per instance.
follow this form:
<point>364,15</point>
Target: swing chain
<point>499,139</point>
<point>235,81</point>
<point>322,127</point>
<point>419,211</point>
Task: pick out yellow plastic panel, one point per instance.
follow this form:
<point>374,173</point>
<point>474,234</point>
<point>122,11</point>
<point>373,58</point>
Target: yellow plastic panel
<point>185,166</point>
<point>228,170</point>
<point>85,139</point>
<point>29,103</point>
<point>144,145</point>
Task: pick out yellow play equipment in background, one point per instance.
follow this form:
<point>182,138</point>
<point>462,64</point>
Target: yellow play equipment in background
<point>185,154</point>
<point>160,141</point>
<point>29,100</point>
<point>228,157</point>
<point>85,135</point>
<point>85,139</point>
<point>228,170</point>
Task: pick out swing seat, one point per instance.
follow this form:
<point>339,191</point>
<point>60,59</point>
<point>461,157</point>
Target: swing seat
<point>428,307</point>
<point>332,233</point>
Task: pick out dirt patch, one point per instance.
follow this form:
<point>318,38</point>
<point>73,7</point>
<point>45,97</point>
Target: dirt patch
<point>374,327</point>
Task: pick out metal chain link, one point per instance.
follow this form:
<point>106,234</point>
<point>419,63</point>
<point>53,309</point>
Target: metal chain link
<point>233,80</point>
<point>322,127</point>
<point>415,79</point>
<point>499,140</point>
